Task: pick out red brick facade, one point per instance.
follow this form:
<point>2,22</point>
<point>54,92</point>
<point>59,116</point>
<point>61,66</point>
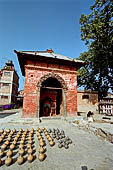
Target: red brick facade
<point>33,75</point>
<point>41,98</point>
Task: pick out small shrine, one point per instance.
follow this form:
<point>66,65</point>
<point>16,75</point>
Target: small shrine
<point>50,83</point>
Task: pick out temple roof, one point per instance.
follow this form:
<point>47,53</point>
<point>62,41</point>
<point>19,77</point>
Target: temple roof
<point>48,54</point>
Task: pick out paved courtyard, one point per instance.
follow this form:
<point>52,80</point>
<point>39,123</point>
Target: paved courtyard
<point>87,151</point>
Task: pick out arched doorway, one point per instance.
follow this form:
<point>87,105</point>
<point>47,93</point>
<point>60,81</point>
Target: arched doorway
<point>51,96</point>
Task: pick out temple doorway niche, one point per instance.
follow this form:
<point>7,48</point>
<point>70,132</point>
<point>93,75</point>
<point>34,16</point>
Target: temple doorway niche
<point>51,100</point>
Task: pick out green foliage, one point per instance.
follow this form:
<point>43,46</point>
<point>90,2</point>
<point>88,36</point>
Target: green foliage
<point>97,32</point>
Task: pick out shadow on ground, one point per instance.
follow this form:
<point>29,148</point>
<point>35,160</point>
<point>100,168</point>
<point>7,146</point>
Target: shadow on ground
<point>3,115</point>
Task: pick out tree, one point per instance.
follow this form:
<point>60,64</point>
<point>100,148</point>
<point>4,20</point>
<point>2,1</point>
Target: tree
<point>97,32</point>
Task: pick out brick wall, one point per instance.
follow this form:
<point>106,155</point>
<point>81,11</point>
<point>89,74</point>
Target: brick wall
<point>32,76</point>
<point>87,101</point>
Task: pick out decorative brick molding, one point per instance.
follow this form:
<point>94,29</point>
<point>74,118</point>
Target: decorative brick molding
<point>53,75</point>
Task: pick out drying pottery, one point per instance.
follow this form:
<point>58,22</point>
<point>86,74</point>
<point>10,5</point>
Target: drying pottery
<point>66,146</point>
<point>28,145</point>
<point>41,150</point>
<point>8,161</point>
<point>41,156</point>
<point>9,153</point>
<point>30,158</point>
<point>21,151</point>
<point>60,145</point>
<point>12,146</point>
<point>42,143</point>
<point>21,146</point>
<point>14,142</point>
<point>1,152</point>
<point>8,130</point>
<point>2,131</point>
<point>3,147</point>
<point>22,141</point>
<point>20,159</point>
<point>30,150</point>
<point>49,139</point>
<point>1,139</point>
<point>3,136</point>
<point>7,142</point>
<point>14,130</point>
<point>30,141</point>
<point>51,143</point>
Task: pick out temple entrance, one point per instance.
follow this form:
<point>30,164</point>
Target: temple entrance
<point>51,103</point>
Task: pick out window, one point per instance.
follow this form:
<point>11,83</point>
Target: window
<point>7,73</point>
<point>5,84</point>
<point>4,97</point>
<point>85,96</point>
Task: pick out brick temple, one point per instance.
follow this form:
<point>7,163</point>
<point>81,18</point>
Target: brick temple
<point>50,83</point>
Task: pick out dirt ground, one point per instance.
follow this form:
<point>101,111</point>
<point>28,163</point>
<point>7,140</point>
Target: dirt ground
<point>87,151</point>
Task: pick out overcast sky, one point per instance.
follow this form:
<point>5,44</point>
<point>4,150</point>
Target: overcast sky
<point>39,25</point>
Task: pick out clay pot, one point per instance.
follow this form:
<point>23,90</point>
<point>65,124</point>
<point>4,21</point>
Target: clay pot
<point>26,130</point>
<point>21,130</point>
<point>48,136</point>
<point>12,146</point>
<point>41,150</point>
<point>32,132</point>
<point>30,158</point>
<point>49,139</point>
<point>41,156</point>
<point>23,137</point>
<point>51,143</point>
<point>42,143</point>
<point>14,142</point>
<point>38,134</point>
<point>3,147</point>
<point>30,141</point>
<point>1,139</point>
<point>20,159</point>
<point>28,145</point>
<point>2,136</point>
<point>8,130</point>
<point>22,141</point>
<point>30,150</point>
<point>5,133</point>
<point>39,137</point>
<point>1,153</point>
<point>2,131</point>
<point>46,133</point>
<point>66,146</point>
<point>9,153</point>
<point>41,140</point>
<point>21,151</point>
<point>8,161</point>
<point>7,142</point>
<point>11,132</point>
<point>16,138</point>
<point>9,138</point>
<point>21,146</point>
<point>60,145</point>
<point>30,138</point>
<point>18,135</point>
<point>14,130</point>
